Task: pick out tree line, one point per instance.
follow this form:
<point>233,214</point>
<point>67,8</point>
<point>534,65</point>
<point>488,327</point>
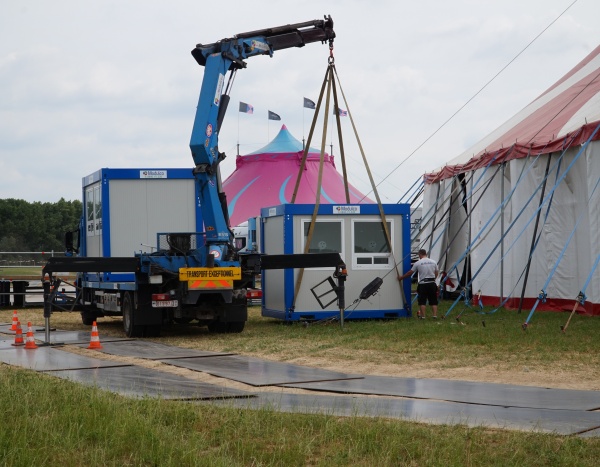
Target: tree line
<point>36,226</point>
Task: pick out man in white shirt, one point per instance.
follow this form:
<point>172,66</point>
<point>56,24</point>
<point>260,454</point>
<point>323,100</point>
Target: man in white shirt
<point>428,271</point>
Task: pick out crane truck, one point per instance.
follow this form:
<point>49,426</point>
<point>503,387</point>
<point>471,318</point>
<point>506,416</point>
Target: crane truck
<point>199,276</point>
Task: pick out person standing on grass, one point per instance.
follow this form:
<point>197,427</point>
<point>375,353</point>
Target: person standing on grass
<point>427,270</point>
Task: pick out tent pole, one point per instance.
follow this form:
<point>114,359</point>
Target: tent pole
<point>537,222</point>
<point>502,233</point>
<point>437,198</point>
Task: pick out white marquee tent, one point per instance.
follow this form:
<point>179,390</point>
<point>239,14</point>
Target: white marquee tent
<point>515,219</point>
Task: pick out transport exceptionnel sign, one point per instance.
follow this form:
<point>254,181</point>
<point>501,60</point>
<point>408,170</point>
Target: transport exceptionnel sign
<point>188,274</point>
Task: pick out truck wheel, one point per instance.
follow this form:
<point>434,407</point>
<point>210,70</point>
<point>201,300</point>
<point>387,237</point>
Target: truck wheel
<point>131,330</point>
<point>88,317</point>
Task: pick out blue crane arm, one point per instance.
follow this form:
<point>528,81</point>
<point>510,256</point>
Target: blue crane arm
<point>218,59</point>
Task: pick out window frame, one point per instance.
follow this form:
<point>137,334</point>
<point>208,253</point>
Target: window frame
<point>373,255</point>
<point>340,222</point>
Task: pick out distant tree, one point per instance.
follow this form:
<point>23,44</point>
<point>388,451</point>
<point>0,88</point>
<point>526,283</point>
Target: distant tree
<point>36,226</point>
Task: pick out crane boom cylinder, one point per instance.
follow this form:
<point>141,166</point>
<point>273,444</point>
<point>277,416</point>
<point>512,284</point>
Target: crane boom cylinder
<point>277,38</point>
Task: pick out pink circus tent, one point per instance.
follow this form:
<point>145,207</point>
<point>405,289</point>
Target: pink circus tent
<point>267,177</point>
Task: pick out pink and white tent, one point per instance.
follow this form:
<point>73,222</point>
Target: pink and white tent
<point>518,214</point>
<point>267,177</point>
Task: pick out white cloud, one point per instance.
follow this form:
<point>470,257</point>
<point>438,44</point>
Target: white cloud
<point>90,85</point>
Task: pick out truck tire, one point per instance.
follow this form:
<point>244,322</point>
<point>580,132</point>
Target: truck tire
<point>88,317</point>
<point>129,327</point>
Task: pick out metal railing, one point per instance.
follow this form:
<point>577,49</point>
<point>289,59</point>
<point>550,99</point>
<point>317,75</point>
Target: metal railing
<point>20,277</point>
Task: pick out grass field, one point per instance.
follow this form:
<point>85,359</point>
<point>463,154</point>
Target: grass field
<point>28,271</point>
<point>46,421</point>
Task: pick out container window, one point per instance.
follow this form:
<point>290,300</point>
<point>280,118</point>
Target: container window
<point>370,248</point>
<point>326,237</point>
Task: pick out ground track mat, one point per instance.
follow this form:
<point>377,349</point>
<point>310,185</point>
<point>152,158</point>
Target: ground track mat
<point>7,343</point>
<point>60,337</point>
<point>49,358</point>
<point>257,372</point>
<point>563,422</point>
<point>74,337</point>
<point>429,401</point>
<point>591,434</point>
<point>151,350</point>
<point>138,382</point>
<point>462,391</point>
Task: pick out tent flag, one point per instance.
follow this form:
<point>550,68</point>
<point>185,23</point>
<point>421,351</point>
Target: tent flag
<point>273,116</point>
<point>246,108</point>
<point>341,112</point>
<point>309,104</point>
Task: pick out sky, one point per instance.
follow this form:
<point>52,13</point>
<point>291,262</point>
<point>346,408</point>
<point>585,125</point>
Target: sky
<point>87,85</point>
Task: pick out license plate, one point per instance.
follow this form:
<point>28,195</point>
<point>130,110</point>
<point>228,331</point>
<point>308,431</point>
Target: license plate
<point>165,304</point>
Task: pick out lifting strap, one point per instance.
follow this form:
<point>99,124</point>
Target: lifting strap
<point>374,188</point>
<point>330,80</point>
<point>327,81</point>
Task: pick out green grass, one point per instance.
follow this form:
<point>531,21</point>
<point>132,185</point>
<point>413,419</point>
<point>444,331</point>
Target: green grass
<point>30,271</point>
<point>51,422</point>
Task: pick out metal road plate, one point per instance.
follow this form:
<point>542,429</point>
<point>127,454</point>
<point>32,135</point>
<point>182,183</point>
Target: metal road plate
<point>136,381</point>
<point>151,350</point>
<point>463,391</point>
<point>74,337</point>
<point>7,342</point>
<point>257,372</point>
<point>58,336</point>
<point>591,434</point>
<point>50,359</point>
<point>435,412</point>
<point>5,328</point>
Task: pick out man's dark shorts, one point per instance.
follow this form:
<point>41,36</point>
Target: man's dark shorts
<point>427,291</point>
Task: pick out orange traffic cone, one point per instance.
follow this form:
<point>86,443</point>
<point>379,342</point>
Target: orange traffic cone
<point>18,335</point>
<point>15,320</point>
<point>95,339</point>
<point>30,344</point>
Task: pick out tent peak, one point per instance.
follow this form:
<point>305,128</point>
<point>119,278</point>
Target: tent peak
<point>283,143</point>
